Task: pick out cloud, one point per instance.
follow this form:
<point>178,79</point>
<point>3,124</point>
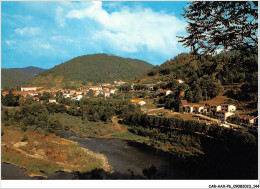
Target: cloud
<point>129,30</point>
<point>27,31</point>
<point>45,46</point>
<point>59,17</point>
<point>10,42</point>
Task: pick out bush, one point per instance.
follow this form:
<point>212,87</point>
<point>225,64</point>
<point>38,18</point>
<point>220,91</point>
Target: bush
<point>25,138</point>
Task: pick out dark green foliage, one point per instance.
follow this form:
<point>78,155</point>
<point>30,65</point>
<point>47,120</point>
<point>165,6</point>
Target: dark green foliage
<point>226,153</point>
<point>10,100</point>
<point>13,78</point>
<point>96,68</point>
<point>205,75</point>
<point>216,25</point>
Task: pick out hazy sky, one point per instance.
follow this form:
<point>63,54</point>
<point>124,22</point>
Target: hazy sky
<point>45,34</point>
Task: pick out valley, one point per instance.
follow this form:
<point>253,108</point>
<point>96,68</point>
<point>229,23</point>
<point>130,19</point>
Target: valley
<point>172,110</point>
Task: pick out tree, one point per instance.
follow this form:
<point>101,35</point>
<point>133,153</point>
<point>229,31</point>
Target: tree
<point>224,25</point>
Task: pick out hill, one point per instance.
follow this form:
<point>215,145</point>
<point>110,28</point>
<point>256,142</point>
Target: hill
<point>206,76</point>
<point>31,70</point>
<point>14,78</point>
<point>95,68</point>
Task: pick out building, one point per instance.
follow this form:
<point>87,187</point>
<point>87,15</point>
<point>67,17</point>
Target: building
<point>168,92</point>
<point>95,88</point>
<point>228,107</point>
<point>5,93</point>
<point>244,119</point>
<point>113,90</point>
<point>79,92</point>
<point>28,88</point>
<point>52,100</point>
<point>223,115</point>
<point>105,84</point>
<point>140,102</point>
<point>215,108</point>
<point>36,99</point>
<point>180,80</point>
<point>76,97</point>
<point>198,109</point>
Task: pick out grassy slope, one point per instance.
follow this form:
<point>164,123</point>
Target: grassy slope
<point>95,68</point>
<point>48,153</point>
<point>13,77</point>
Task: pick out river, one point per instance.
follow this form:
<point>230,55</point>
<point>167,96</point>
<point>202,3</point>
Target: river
<point>127,158</point>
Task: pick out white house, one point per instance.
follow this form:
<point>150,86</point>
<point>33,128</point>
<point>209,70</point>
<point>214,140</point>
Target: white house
<point>223,115</point>
<point>198,109</point>
<point>105,84</point>
<point>140,102</point>
<point>52,100</point>
<point>228,107</point>
<point>215,108</point>
<point>76,97</point>
<point>180,80</point>
<point>168,92</point>
<point>113,90</point>
<point>95,88</point>
<point>66,95</point>
<point>28,88</point>
<point>79,92</point>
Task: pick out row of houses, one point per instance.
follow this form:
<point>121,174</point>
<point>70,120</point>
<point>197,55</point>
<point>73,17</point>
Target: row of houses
<point>105,89</point>
<point>222,112</point>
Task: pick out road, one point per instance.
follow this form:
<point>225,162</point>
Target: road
<point>230,125</point>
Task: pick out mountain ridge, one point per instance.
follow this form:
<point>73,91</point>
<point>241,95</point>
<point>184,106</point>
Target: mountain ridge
<point>97,68</point>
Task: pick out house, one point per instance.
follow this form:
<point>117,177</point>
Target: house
<point>105,84</point>
<point>160,90</point>
<point>168,92</point>
<point>180,80</point>
<point>215,108</point>
<point>106,94</point>
<point>95,88</point>
<point>96,92</point>
<point>188,109</point>
<point>36,99</point>
<point>52,100</point>
<point>5,93</point>
<point>113,90</point>
<point>66,95</point>
<point>76,97</point>
<point>198,109</point>
<point>165,82</point>
<point>79,92</point>
<point>28,88</point>
<point>72,91</point>
<point>249,120</point>
<point>223,115</point>
<point>228,107</point>
<point>182,105</point>
<point>140,102</point>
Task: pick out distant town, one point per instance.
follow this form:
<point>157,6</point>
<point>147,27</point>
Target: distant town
<point>210,114</point>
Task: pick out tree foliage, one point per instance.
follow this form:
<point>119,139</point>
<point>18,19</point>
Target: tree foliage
<point>224,25</point>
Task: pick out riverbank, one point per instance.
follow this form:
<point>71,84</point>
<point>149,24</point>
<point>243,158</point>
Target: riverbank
<point>38,153</point>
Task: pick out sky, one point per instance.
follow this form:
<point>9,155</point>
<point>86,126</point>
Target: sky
<point>45,34</point>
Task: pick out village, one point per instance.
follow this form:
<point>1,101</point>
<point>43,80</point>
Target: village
<point>209,114</point>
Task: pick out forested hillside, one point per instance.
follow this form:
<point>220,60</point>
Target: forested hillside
<point>92,68</point>
<point>31,70</point>
<point>13,78</point>
<point>205,76</point>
